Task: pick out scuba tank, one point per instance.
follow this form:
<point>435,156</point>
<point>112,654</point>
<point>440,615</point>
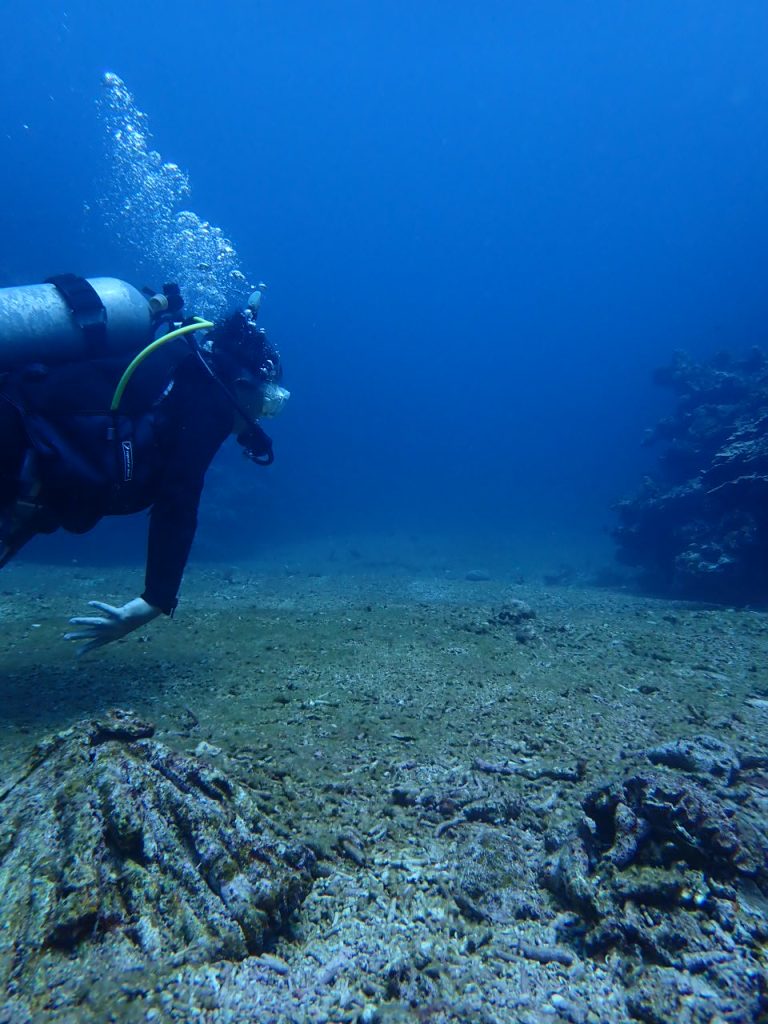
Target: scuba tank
<point>70,318</point>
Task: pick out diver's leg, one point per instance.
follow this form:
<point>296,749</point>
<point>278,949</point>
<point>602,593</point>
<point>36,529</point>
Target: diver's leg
<point>20,522</point>
<point>21,514</point>
<point>13,449</point>
<point>14,536</point>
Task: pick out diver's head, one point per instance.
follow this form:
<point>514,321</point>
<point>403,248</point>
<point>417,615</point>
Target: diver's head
<point>241,349</point>
<point>247,361</point>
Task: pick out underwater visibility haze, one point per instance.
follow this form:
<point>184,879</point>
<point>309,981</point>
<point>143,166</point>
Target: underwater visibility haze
<point>481,230</point>
<point>462,716</point>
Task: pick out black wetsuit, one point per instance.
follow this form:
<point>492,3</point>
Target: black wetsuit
<point>182,428</point>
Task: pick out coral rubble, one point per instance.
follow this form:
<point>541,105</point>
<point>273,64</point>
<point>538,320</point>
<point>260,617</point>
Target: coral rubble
<point>668,868</point>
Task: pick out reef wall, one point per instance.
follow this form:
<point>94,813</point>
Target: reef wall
<point>699,528</point>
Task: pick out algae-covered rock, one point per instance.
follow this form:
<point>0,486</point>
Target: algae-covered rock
<point>672,872</point>
<point>701,755</point>
<point>495,877</point>
<point>117,853</point>
<point>699,529</point>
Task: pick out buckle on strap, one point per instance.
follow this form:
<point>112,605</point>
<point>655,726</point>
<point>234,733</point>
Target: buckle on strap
<point>86,307</point>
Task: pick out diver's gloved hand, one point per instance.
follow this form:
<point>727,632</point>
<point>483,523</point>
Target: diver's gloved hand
<point>113,624</point>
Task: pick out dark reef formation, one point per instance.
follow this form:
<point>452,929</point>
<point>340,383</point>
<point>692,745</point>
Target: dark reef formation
<point>668,867</point>
<point>700,529</point>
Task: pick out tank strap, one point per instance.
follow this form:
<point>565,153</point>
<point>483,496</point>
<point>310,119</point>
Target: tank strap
<point>86,307</point>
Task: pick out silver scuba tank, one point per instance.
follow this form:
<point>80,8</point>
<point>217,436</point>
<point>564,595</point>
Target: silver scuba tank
<point>40,323</point>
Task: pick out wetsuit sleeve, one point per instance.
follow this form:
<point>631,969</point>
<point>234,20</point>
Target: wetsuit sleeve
<point>200,423</point>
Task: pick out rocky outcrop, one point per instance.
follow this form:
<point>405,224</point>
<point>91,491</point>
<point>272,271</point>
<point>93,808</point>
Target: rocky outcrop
<point>118,854</point>
<point>699,529</point>
<point>669,868</point>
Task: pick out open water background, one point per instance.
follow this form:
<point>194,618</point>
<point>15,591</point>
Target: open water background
<point>482,227</point>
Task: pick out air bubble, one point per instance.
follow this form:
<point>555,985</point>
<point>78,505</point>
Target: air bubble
<point>140,204</point>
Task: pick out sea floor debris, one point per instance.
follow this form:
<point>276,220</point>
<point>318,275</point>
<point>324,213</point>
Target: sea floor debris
<point>462,823</point>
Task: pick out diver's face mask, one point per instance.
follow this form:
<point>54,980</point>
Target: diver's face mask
<point>263,398</point>
<point>274,399</point>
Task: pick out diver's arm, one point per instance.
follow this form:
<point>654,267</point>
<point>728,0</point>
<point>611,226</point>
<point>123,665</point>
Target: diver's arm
<point>114,624</point>
<point>172,527</point>
<point>202,421</point>
<point>203,418</point>
<point>173,520</point>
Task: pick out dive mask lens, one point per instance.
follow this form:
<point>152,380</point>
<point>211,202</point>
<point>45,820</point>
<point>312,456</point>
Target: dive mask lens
<point>274,399</point>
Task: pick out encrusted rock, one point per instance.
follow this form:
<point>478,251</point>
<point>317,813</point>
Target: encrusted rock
<point>513,613</point>
<point>477,575</point>
<point>700,528</point>
<point>495,874</point>
<point>658,995</point>
<point>667,870</point>
<point>703,755</point>
<point>117,852</point>
<point>660,817</point>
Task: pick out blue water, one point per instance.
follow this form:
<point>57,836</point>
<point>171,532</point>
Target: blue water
<point>481,225</point>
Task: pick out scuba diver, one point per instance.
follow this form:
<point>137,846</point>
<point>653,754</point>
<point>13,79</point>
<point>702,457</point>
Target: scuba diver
<point>87,431</point>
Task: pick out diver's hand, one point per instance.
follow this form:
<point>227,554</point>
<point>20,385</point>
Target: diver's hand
<point>113,624</point>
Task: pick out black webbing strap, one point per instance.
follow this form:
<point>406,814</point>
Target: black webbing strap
<point>86,307</point>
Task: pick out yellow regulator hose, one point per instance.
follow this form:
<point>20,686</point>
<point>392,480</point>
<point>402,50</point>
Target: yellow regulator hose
<point>117,398</point>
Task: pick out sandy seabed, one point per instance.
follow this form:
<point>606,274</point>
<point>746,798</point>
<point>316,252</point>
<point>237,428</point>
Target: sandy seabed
<point>371,707</point>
